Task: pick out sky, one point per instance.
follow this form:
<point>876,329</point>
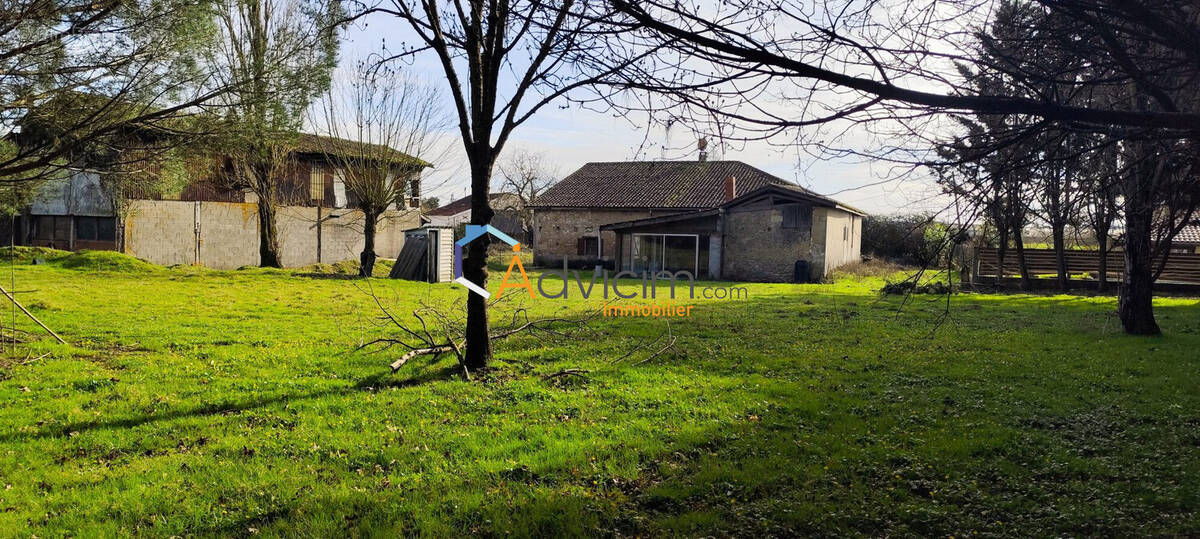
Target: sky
<point>569,136</point>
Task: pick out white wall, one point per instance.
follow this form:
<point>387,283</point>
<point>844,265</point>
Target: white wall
<point>843,238</point>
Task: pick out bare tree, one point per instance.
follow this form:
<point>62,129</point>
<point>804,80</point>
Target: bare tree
<point>503,60</point>
<point>1122,70</point>
<point>526,175</point>
<point>729,60</point>
<point>1101,190</point>
<point>277,55</point>
<point>380,128</point>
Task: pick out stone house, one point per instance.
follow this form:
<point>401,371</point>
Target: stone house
<point>715,219</point>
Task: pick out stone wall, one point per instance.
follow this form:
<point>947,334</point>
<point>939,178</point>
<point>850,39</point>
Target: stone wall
<point>758,248</point>
<point>224,235</point>
<point>556,233</point>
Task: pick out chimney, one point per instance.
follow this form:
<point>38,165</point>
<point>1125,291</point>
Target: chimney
<point>702,146</point>
<point>730,187</point>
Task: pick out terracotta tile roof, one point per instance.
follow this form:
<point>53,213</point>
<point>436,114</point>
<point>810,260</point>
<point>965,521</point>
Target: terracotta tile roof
<point>1189,233</point>
<point>655,184</point>
<point>460,205</point>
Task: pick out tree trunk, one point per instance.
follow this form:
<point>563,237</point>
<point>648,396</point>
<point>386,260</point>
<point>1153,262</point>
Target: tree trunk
<point>478,343</point>
<point>1026,280</point>
<point>268,235</point>
<point>1102,270</point>
<point>1000,252</point>
<point>119,231</point>
<point>1136,306</point>
<point>1060,254</point>
<point>366,260</point>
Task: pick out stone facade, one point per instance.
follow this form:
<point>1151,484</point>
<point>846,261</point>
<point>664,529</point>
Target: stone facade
<point>759,248</point>
<point>224,235</point>
<point>761,241</point>
<point>557,233</point>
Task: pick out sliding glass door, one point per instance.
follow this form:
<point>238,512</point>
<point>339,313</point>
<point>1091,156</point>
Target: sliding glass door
<point>670,252</point>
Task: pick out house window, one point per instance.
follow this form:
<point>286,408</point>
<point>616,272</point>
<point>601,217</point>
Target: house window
<point>52,228</point>
<point>793,216</point>
<point>845,234</point>
<point>587,246</point>
<point>316,183</point>
<point>95,228</point>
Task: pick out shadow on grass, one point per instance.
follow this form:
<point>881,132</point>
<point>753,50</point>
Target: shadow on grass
<point>894,448</point>
<point>877,457</point>
<point>374,382</point>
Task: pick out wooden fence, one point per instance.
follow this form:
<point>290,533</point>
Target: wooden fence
<point>1180,267</point>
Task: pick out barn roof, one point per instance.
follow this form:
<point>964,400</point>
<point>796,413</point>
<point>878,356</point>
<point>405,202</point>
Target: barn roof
<point>461,205</point>
<point>308,143</point>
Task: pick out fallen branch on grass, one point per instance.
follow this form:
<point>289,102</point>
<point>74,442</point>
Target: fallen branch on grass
<point>567,372</point>
<point>670,344</point>
<point>435,350</point>
<point>31,316</point>
<point>433,331</point>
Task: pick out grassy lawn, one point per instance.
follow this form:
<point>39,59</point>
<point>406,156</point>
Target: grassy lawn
<point>193,402</point>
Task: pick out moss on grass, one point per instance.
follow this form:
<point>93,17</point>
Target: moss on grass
<point>29,255</point>
<point>106,261</point>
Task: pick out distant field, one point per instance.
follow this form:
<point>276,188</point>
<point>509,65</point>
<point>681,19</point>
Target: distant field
<point>196,402</point>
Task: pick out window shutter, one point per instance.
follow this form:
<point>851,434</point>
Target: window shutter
<point>316,183</point>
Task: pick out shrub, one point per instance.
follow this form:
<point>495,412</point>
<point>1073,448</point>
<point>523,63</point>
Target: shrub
<point>900,288</point>
<point>913,240</point>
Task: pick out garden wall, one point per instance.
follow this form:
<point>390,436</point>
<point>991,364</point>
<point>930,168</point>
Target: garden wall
<point>224,235</point>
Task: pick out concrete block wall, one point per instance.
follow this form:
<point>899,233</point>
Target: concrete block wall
<point>341,236</point>
<point>162,231</point>
<point>224,235</point>
<point>228,234</point>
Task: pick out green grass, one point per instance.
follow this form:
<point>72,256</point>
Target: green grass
<point>198,402</point>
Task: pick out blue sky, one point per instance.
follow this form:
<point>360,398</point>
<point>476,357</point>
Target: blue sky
<point>572,136</point>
